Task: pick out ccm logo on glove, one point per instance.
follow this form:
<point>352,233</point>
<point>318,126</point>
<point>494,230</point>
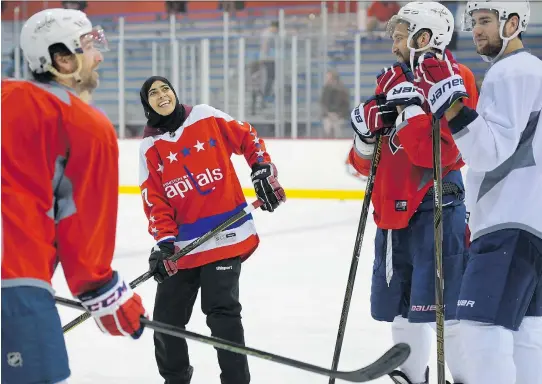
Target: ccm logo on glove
<point>111,299</point>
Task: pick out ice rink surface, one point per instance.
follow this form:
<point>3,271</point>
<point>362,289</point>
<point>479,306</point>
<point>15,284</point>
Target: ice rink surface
<point>292,290</point>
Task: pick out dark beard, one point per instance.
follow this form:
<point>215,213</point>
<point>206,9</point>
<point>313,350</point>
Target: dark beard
<point>404,59</point>
<point>491,50</point>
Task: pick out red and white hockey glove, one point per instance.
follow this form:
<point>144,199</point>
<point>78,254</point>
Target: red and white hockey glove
<point>266,185</point>
<point>115,308</point>
<point>377,114</point>
<point>397,84</point>
<point>440,82</point>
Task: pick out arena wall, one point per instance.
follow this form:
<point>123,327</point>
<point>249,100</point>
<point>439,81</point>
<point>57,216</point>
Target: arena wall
<point>306,168</point>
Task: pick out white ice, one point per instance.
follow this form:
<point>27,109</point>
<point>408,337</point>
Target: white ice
<point>292,291</point>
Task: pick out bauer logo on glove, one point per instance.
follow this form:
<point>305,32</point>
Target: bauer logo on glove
<point>441,82</point>
<point>445,89</point>
<point>406,88</point>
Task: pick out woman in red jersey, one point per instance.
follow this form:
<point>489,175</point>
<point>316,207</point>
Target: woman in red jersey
<point>189,186</point>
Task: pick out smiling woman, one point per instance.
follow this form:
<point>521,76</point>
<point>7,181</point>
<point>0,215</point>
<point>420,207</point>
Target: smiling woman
<point>162,98</point>
<point>189,186</point>
<point>161,105</point>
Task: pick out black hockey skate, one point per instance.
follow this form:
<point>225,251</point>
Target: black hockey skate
<point>399,377</point>
<point>187,377</point>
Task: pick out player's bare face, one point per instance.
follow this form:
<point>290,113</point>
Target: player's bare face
<point>485,32</point>
<point>162,98</point>
<point>91,60</point>
<point>399,48</point>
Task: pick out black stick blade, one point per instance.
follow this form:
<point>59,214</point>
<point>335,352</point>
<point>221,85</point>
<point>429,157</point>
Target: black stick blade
<point>388,362</point>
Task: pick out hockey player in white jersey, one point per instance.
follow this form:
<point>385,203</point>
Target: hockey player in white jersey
<point>500,304</point>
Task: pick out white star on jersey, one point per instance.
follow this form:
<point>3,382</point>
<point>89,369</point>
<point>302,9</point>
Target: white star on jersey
<point>256,140</point>
<point>199,146</point>
<point>154,230</point>
<point>260,153</point>
<point>152,219</point>
<point>160,167</point>
<point>172,157</point>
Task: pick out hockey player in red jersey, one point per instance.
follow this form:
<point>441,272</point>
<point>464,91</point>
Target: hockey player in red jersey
<point>59,199</point>
<point>403,283</point>
<point>189,186</point>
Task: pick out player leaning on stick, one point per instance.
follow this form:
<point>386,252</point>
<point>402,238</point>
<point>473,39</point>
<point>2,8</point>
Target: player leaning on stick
<point>59,199</point>
<point>403,284</point>
<point>189,186</point>
<point>500,302</point>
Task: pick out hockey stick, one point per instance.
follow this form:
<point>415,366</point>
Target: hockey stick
<point>437,225</point>
<point>385,364</point>
<point>355,258</point>
<point>186,250</point>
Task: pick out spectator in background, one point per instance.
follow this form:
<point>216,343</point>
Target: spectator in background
<point>77,5</point>
<point>174,7</point>
<point>335,105</point>
<point>378,14</point>
<point>267,56</point>
<point>257,81</point>
<point>231,7</point>
<point>227,6</point>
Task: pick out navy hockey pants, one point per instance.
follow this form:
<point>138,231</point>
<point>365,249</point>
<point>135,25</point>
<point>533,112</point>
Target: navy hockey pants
<point>411,290</point>
<point>33,348</point>
<point>503,279</point>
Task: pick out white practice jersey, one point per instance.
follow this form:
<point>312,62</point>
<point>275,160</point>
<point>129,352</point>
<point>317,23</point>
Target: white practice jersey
<point>502,147</point>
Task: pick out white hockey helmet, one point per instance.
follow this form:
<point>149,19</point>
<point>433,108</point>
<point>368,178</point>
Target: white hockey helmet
<point>503,9</point>
<point>425,15</point>
<point>52,26</point>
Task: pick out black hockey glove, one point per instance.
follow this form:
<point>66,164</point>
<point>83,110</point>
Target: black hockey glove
<point>159,266</point>
<point>266,185</point>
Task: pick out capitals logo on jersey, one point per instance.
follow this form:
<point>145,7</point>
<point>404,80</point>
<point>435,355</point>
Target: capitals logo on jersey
<point>201,182</point>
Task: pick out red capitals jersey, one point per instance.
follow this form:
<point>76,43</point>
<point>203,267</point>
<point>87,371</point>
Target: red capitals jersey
<point>189,185</point>
<point>405,172</point>
<point>59,187</point>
